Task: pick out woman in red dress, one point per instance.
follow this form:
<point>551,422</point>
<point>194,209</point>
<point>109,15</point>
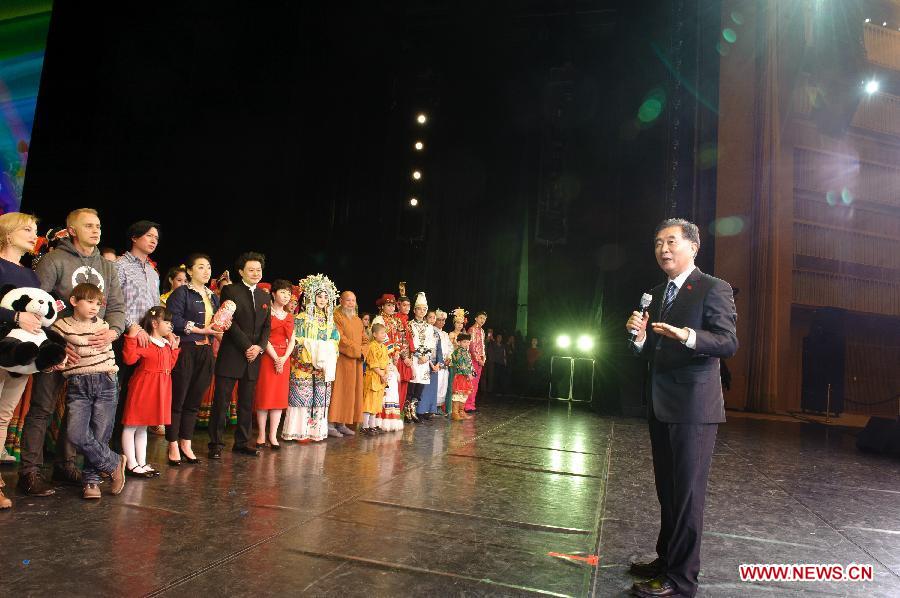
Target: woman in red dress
<point>274,371</point>
<point>149,400</point>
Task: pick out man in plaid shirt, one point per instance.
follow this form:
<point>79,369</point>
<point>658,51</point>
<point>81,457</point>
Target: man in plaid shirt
<point>140,286</point>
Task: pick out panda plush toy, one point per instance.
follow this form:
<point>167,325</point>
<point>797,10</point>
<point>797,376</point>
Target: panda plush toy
<point>23,352</point>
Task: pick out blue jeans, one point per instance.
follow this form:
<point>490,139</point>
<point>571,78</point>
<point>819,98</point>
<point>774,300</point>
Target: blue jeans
<point>91,402</point>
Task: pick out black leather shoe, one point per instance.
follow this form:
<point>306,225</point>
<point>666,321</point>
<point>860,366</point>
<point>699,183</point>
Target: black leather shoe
<point>655,588</point>
<point>215,453</point>
<point>246,450</point>
<point>647,570</point>
<point>275,447</point>
<point>174,462</point>
<point>186,459</point>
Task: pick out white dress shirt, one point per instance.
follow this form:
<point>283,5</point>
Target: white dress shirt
<point>691,342</point>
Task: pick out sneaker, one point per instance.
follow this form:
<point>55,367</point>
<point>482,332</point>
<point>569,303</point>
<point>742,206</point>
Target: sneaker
<point>67,474</point>
<point>35,485</point>
<point>117,477</point>
<point>332,432</point>
<point>345,430</point>
<point>5,457</point>
<point>91,491</point>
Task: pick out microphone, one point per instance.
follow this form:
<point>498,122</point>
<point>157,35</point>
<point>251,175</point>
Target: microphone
<point>646,298</point>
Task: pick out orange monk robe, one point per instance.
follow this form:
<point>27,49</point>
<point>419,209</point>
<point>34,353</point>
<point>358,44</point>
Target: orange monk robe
<point>347,393</point>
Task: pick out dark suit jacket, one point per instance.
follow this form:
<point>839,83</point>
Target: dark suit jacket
<point>684,383</point>
<point>248,327</point>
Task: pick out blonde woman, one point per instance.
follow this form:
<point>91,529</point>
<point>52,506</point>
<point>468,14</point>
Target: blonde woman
<point>18,235</point>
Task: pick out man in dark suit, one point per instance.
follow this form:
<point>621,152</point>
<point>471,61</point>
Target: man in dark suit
<point>692,326</point>
<point>238,359</point>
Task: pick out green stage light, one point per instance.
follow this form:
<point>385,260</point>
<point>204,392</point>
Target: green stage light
<point>585,343</point>
<point>563,341</point>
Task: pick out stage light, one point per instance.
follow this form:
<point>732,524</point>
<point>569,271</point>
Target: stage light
<point>872,86</point>
<point>884,24</point>
<point>416,175</point>
<point>868,20</point>
<point>421,118</point>
<point>563,341</point>
<point>413,201</point>
<point>419,146</point>
<point>585,343</point>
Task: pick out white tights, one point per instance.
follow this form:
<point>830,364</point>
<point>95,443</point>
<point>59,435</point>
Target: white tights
<point>134,444</point>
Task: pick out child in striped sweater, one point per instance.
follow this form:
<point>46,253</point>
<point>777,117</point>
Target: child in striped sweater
<point>92,392</point>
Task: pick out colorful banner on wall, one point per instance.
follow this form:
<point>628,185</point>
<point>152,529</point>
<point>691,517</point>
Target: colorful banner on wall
<point>23,37</point>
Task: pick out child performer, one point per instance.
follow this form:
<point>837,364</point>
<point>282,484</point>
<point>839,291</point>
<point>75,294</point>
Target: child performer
<point>461,362</point>
<point>375,379</point>
<point>392,419</point>
<point>149,401</point>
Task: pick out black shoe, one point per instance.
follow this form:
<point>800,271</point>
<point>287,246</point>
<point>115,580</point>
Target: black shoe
<point>647,570</point>
<point>34,485</point>
<point>275,447</point>
<point>189,461</point>
<point>139,474</point>
<point>660,587</point>
<point>246,450</point>
<point>67,474</point>
<point>174,462</point>
<point>215,453</point>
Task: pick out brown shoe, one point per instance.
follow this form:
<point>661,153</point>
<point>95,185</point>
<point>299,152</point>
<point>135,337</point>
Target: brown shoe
<point>34,485</point>
<point>5,503</point>
<point>455,414</point>
<point>117,477</point>
<point>91,491</point>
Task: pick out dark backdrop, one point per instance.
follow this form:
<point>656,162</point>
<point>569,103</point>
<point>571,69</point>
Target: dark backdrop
<point>288,129</point>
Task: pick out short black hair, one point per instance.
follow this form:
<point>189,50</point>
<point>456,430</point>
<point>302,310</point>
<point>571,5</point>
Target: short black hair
<point>192,259</point>
<point>107,250</point>
<point>281,284</point>
<point>481,313</point>
<point>249,256</point>
<point>689,230</point>
<point>140,228</point>
<point>462,336</point>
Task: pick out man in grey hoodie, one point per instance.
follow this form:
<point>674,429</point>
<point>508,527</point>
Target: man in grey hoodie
<point>74,261</point>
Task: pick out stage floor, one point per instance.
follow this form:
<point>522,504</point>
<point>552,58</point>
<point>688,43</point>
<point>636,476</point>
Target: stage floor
<point>462,509</point>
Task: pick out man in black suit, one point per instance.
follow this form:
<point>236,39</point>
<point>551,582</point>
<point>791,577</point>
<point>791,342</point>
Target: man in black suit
<point>238,359</point>
<point>692,326</point>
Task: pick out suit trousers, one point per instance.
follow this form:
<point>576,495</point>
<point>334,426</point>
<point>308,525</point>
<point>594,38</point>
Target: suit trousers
<point>682,454</point>
<point>219,414</point>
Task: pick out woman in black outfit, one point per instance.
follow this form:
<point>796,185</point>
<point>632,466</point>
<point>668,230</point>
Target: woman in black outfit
<point>192,306</point>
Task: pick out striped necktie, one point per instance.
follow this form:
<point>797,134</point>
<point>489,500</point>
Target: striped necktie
<point>668,300</point>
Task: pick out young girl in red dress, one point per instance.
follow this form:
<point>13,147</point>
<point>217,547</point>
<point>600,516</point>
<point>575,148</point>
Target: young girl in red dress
<point>271,397</point>
<point>149,401</point>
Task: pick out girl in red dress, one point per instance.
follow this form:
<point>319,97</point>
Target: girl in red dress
<point>274,370</point>
<point>149,401</point>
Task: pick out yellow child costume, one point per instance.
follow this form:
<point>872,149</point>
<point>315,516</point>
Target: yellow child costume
<point>373,387</point>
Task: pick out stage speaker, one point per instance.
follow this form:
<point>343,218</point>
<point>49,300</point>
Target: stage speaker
<point>823,363</point>
<point>881,435</point>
